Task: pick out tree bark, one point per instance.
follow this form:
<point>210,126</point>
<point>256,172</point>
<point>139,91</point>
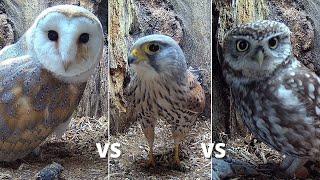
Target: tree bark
<point>6,30</point>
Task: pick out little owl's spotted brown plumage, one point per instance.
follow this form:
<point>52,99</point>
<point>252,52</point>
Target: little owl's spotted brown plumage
<point>277,96</point>
<point>164,88</point>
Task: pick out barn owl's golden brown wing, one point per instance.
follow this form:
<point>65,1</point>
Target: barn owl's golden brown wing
<point>15,50</point>
<point>32,104</point>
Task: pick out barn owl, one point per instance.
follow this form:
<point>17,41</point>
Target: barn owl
<point>277,96</point>
<point>43,76</point>
<point>164,88</point>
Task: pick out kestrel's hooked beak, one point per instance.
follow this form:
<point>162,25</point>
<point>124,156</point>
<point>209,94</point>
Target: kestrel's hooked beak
<point>137,56</point>
<point>259,56</point>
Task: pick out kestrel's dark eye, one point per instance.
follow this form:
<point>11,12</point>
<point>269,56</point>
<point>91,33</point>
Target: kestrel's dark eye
<point>154,48</point>
<point>84,38</point>
<point>242,45</point>
<point>53,35</point>
<point>273,43</point>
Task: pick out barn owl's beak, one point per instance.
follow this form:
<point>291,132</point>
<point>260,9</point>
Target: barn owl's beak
<point>68,52</point>
<point>66,65</point>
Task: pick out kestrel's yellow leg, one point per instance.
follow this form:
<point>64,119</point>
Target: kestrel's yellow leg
<point>178,137</point>
<point>149,133</point>
<point>176,158</point>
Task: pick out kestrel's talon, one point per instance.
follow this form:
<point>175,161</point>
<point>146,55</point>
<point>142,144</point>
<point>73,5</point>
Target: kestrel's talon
<point>180,166</point>
<point>177,164</point>
<point>151,163</point>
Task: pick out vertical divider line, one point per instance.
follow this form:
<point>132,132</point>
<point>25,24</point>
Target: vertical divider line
<point>108,80</point>
<point>211,33</point>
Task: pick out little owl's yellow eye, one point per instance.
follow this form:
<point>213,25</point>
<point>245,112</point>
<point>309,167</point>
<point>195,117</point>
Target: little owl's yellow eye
<point>273,43</point>
<point>242,45</point>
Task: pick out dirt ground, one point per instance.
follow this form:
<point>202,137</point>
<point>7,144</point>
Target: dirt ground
<point>263,160</point>
<point>250,150</point>
<point>134,152</point>
<point>76,152</point>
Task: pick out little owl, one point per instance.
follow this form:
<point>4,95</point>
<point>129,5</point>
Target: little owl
<point>277,96</point>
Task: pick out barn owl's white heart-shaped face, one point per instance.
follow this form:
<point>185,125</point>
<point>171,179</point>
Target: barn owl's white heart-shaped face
<point>68,41</point>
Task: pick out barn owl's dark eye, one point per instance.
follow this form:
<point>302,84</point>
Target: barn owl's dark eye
<point>84,38</point>
<point>53,35</point>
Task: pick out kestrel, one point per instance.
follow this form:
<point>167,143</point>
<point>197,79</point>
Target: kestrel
<point>163,88</point>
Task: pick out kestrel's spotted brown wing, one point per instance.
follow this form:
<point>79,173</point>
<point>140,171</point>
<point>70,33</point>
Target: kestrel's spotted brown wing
<point>32,104</point>
<point>196,96</point>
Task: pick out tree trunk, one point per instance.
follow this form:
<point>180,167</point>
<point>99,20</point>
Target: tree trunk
<point>6,30</point>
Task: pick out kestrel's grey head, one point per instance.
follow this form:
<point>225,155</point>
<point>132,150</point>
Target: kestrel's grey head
<point>254,51</point>
<point>157,56</point>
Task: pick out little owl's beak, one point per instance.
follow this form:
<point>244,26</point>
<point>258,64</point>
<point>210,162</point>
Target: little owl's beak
<point>259,57</point>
